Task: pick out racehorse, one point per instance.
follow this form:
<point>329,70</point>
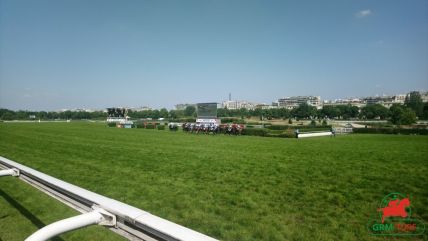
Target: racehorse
<point>230,129</point>
<point>173,126</point>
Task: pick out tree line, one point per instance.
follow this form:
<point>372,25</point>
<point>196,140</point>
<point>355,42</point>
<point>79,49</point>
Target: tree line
<point>412,109</point>
<point>6,114</point>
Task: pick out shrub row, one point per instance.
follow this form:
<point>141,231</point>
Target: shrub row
<point>232,120</point>
<point>277,127</point>
<point>150,126</point>
<point>254,132</point>
<point>314,129</point>
<point>161,127</point>
<point>253,123</point>
<point>111,124</point>
<point>282,135</point>
<point>146,125</point>
<point>285,127</point>
<point>268,133</point>
<point>391,131</point>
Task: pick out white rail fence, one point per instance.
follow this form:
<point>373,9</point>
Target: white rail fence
<point>314,134</point>
<point>337,131</point>
<point>128,221</point>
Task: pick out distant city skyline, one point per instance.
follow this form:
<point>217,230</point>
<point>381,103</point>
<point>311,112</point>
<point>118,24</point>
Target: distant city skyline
<point>228,99</point>
<point>96,54</point>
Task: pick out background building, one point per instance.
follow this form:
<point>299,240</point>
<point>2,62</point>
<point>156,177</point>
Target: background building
<point>295,101</point>
<point>237,104</point>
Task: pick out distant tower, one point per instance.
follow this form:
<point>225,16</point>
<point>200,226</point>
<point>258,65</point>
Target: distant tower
<point>230,96</point>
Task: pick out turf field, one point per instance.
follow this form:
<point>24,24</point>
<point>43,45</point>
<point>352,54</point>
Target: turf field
<point>228,187</point>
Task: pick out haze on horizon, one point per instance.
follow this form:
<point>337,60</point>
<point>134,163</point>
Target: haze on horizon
<point>97,54</point>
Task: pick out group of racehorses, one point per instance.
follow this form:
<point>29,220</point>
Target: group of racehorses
<point>209,128</point>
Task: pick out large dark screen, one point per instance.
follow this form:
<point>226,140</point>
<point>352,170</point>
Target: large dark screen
<point>207,110</point>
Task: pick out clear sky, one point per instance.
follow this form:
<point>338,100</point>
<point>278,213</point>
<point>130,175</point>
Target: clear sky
<point>58,54</point>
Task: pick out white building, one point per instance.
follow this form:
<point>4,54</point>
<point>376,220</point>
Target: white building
<point>424,96</point>
<point>385,100</point>
<point>142,108</point>
<point>237,104</point>
<point>295,101</point>
<point>350,101</point>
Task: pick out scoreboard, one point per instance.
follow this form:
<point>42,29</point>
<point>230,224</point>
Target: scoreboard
<point>206,110</point>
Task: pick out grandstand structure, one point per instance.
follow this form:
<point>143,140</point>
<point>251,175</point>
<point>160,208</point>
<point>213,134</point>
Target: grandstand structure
<point>119,116</point>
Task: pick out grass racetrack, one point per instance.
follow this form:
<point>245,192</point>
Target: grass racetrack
<point>228,187</point>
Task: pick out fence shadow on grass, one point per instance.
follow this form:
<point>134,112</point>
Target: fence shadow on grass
<point>36,221</point>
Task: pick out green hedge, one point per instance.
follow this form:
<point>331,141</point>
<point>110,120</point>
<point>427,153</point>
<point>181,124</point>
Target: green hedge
<point>289,133</point>
<point>111,124</point>
<point>232,120</point>
<point>139,125</point>
<point>186,120</point>
<point>253,123</point>
<point>278,127</point>
<point>275,131</point>
<point>150,126</point>
<point>328,127</point>
<point>161,127</point>
<point>305,127</point>
<point>229,119</point>
<point>282,135</point>
<point>254,132</point>
<point>314,129</point>
<point>142,124</point>
<point>391,131</point>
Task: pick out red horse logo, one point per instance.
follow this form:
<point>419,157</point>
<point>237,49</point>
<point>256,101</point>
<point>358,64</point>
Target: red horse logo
<point>395,208</point>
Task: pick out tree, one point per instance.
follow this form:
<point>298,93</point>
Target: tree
<point>425,112</point>
<point>375,111</point>
<point>324,122</point>
<point>348,111</point>
<point>304,111</point>
<point>163,113</point>
<point>190,111</point>
<point>42,115</point>
<point>401,115</point>
<point>8,116</point>
<point>329,111</point>
<point>222,112</point>
<point>243,112</point>
<point>21,115</point>
<point>408,117</point>
<point>414,101</point>
<point>284,113</point>
<point>172,114</point>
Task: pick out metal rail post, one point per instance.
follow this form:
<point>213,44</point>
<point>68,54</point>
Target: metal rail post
<point>97,216</point>
<point>9,172</point>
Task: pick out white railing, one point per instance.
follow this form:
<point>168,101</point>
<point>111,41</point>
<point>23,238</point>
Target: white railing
<point>130,222</point>
<point>313,134</point>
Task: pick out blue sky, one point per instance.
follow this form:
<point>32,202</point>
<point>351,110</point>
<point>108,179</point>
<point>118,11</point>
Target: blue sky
<point>67,54</point>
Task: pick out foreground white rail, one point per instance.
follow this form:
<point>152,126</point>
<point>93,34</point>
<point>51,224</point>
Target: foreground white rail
<point>69,224</point>
<point>131,222</point>
<point>9,172</point>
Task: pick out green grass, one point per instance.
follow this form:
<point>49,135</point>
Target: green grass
<point>228,187</point>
